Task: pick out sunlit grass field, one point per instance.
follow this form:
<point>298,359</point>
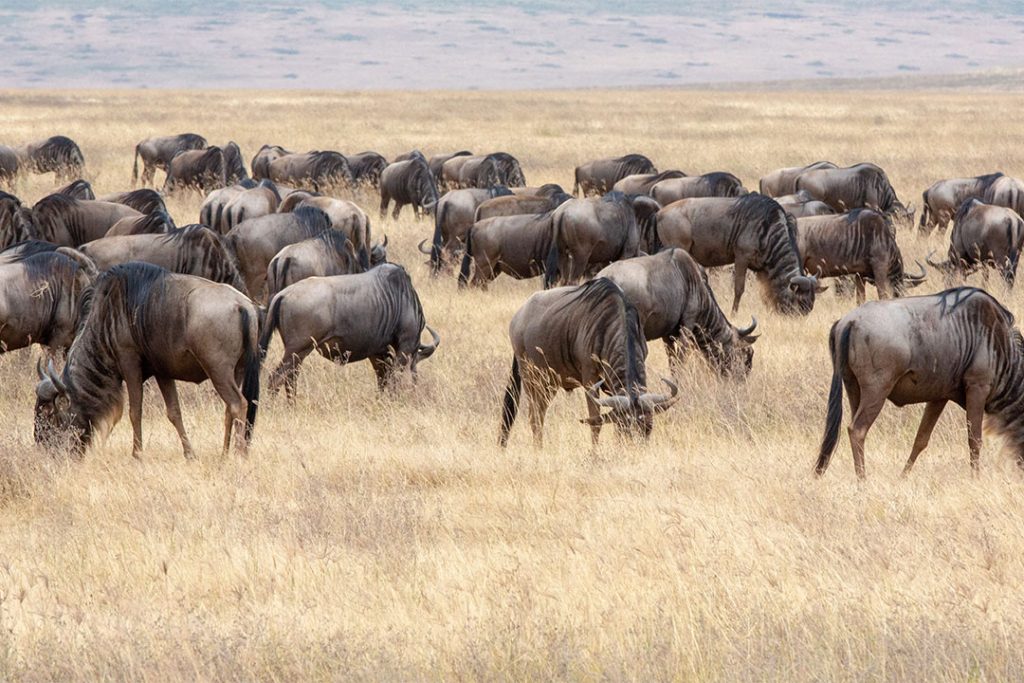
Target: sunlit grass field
<point>370,537</point>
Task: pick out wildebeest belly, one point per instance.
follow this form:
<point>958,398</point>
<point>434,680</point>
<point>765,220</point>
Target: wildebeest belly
<point>921,387</point>
<point>353,345</point>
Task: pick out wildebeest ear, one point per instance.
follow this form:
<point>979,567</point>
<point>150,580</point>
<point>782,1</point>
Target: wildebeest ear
<point>820,288</point>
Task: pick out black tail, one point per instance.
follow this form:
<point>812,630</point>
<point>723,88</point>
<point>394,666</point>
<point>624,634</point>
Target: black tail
<point>435,248</point>
<point>273,317</point>
<point>135,168</point>
<point>551,261</point>
<point>925,211</point>
<point>840,356</point>
<point>511,406</point>
<point>1013,249</point>
<point>467,260</point>
<point>251,378</point>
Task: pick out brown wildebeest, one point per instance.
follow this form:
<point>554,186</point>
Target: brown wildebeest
<point>802,205</point>
<point>754,233</point>
<point>984,236</point>
<point>329,253</point>
<point>320,170</point>
<point>266,155</point>
<point>515,245</point>
<point>408,182</point>
<point>717,184</point>
<point>959,345</point>
<point>641,183</point>
<point>71,222</point>
<point>861,243</point>
<point>940,201</point>
<point>201,170</point>
<point>373,316</point>
<point>144,321</point>
<point>862,186</point>
<point>1008,192</point>
<point>157,153</point>
<point>599,176</point>
<point>257,201</point>
<point>211,213</point>
<point>191,250</point>
<point>454,215</point>
<point>675,303</point>
<point>587,336</point>
<point>144,200</point>
<point>783,181</point>
<point>77,189</point>
<point>57,154</point>
<point>40,293</point>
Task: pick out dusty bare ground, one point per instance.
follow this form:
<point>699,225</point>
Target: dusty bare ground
<point>389,538</point>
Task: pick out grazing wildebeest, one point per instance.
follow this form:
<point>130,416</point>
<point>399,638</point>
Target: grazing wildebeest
<point>373,316</point>
<point>158,222</point>
<point>366,167</point>
<point>200,170</point>
<point>600,176</point>
<point>861,243</point>
<point>802,205</point>
<point>783,181</point>
<point>675,303</point>
<point>515,245</point>
<point>258,201</point>
<point>157,153</point>
<point>1006,191</point>
<point>346,217</point>
<point>587,336</point>
<point>454,214</point>
<point>320,170</point>
<point>58,154</point>
<point>862,186</point>
<point>9,164</point>
<point>234,164</point>
<point>717,184</point>
<point>959,345</point>
<point>16,221</point>
<point>71,222</point>
<point>264,157</point>
<point>984,236</point>
<point>256,241</point>
<point>77,189</point>
<point>754,233</point>
<point>191,250</point>
<point>144,321</point>
<point>498,168</point>
<point>211,213</point>
<point>329,253</point>
<point>144,200</point>
<point>589,234</point>
<point>40,292</point>
<point>641,183</point>
<point>940,201</point>
<point>408,182</point>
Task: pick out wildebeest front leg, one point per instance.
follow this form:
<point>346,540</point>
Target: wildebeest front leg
<point>398,209</point>
<point>975,404</point>
<point>862,294</point>
<point>384,367</point>
<point>932,411</point>
<point>739,283</point>
<point>133,381</point>
<point>170,394</point>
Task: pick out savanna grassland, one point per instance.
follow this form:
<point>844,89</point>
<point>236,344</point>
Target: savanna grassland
<point>390,538</point>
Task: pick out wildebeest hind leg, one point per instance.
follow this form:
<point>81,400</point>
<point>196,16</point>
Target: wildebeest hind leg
<point>384,367</point>
<point>872,400</point>
<point>234,412</point>
<point>287,371</point>
<point>170,394</point>
<point>132,374</point>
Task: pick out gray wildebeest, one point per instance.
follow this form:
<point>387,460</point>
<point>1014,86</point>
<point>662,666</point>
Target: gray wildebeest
<point>1006,191</point>
<point>984,236</point>
<point>959,345</point>
<point>200,170</point>
<point>144,321</point>
<point>783,181</point>
<point>408,182</point>
<point>58,154</point>
<point>515,245</point>
<point>329,253</point>
<point>373,316</point>
<point>599,176</point>
<point>39,298</point>
<point>862,186</point>
<point>940,201</point>
<point>320,170</point>
<point>251,203</point>
<point>675,303</point>
<point>717,184</point>
<point>72,222</point>
<point>641,183</point>
<point>191,250</point>
<point>157,153</point>
<point>77,189</point>
<point>586,336</point>
<point>455,213</point>
<point>803,205</point>
<point>861,243</point>
<point>754,233</point>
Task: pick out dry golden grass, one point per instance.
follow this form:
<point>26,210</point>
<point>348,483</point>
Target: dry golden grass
<point>391,539</point>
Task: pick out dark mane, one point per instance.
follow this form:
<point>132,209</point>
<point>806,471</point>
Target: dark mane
<point>79,189</point>
<point>20,251</point>
<point>985,181</point>
<point>143,200</point>
<point>951,299</point>
<point>269,184</point>
<point>964,208</point>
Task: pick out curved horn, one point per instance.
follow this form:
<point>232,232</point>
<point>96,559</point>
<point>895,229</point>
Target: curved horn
<point>385,242</point>
<point>917,278</point>
<point>617,402</point>
<point>659,403</point>
<point>426,350</point>
<point>808,281</point>
<point>419,246</point>
<point>39,369</point>
<point>933,264</point>
<point>54,376</point>
<point>592,391</point>
<point>746,331</point>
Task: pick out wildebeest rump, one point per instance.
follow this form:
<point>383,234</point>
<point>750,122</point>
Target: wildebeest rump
<point>515,245</point>
<point>940,202</point>
<point>599,176</point>
<point>589,234</point>
<point>783,181</point>
<point>329,253</point>
<point>984,236</point>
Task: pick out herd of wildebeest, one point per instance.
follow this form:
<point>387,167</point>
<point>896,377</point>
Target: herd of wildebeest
<point>117,293</point>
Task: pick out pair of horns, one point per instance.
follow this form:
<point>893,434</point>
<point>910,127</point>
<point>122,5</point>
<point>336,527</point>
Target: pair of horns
<point>50,373</point>
<point>655,403</point>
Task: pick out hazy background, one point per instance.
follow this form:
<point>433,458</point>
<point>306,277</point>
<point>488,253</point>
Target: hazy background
<point>537,44</point>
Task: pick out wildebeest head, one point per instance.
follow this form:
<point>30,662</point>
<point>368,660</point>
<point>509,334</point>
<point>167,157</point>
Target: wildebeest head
<point>56,424</point>
<point>632,413</point>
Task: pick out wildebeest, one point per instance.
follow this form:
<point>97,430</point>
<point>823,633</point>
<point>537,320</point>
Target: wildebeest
<point>408,182</point>
<point>191,250</point>
<point>256,241</point>
<point>329,253</point>
<point>346,217</point>
<point>586,336</point>
<point>940,201</point>
<point>855,187</point>
<point>717,184</point>
<point>154,223</point>
<point>600,176</point>
<point>8,165</point>
<point>263,158</point>
<point>498,168</point>
<point>57,154</point>
<point>984,236</point>
<point>641,183</point>
<point>250,203</point>
<point>959,345</point>
<point>211,213</point>
<point>40,292</point>
<point>320,170</point>
<point>157,152</point>
<point>71,222</point>
<point>201,170</point>
<point>144,200</point>
<point>1006,191</point>
<point>754,233</point>
<point>675,303</point>
<point>515,245</point>
<point>234,164</point>
<point>77,189</point>
<point>513,205</point>
<point>373,316</point>
<point>783,181</point>
<point>366,168</point>
<point>436,163</point>
<point>861,243</point>
<point>802,205</point>
<point>453,216</point>
<point>144,321</point>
